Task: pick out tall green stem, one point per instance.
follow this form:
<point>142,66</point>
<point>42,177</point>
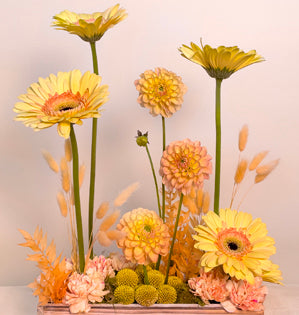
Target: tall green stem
<point>218,145</point>
<point>92,156</point>
<point>163,186</point>
<point>155,178</point>
<point>173,237</point>
<point>77,198</point>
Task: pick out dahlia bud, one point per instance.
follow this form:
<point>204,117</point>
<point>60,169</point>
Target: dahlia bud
<point>142,139</point>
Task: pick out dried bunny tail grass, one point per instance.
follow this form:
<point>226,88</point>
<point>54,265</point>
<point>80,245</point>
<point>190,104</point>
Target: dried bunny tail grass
<point>102,210</point>
<point>51,161</point>
<point>109,221</point>
<point>189,203</point>
<point>72,197</point>
<point>68,150</point>
<point>81,174</point>
<point>206,203</point>
<point>241,170</point>
<point>243,136</point>
<point>199,198</point>
<point>62,204</point>
<point>192,193</point>
<point>103,239</point>
<point>257,160</point>
<point>125,194</point>
<point>267,168</point>
<point>115,235</point>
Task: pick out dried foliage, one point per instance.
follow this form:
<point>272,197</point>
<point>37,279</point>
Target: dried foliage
<point>185,257</point>
<point>243,136</point>
<point>51,285</point>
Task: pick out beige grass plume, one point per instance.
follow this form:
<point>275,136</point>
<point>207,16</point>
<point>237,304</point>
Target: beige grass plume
<point>62,203</point>
<point>109,221</point>
<point>263,171</point>
<point>51,161</point>
<point>241,170</point>
<point>257,160</point>
<point>206,203</point>
<point>68,150</point>
<point>81,174</point>
<point>103,239</point>
<point>102,210</point>
<point>243,136</point>
<point>125,194</point>
<point>65,174</point>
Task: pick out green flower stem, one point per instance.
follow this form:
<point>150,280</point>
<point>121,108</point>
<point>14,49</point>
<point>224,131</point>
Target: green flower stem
<point>92,156</point>
<point>218,145</point>
<point>173,237</point>
<point>163,186</point>
<point>145,275</point>
<point>77,199</point>
<point>155,179</point>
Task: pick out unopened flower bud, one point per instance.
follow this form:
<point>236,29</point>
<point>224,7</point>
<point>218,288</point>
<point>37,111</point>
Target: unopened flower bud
<point>142,139</point>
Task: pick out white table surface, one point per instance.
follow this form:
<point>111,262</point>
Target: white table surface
<point>18,300</point>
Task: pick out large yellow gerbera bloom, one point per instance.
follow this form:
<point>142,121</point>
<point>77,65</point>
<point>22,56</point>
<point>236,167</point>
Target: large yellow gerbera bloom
<point>220,62</point>
<point>234,241</point>
<point>90,27</point>
<point>63,99</point>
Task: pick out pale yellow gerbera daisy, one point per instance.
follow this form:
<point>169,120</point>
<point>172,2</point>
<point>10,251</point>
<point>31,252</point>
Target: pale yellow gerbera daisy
<point>90,27</point>
<point>64,99</point>
<point>220,62</point>
<point>234,241</point>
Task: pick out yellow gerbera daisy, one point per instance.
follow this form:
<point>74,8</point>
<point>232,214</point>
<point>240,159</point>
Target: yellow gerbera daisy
<point>234,241</point>
<point>220,62</point>
<point>90,27</point>
<point>63,99</point>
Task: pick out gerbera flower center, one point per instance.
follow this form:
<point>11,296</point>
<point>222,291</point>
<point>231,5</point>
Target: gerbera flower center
<point>233,242</point>
<point>59,104</point>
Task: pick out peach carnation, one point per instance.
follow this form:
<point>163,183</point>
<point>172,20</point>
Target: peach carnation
<point>161,91</point>
<point>210,286</point>
<point>185,164</point>
<point>100,267</point>
<point>81,290</point>
<point>146,238</point>
<point>246,296</point>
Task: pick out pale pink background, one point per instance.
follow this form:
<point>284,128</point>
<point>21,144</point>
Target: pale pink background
<point>264,96</point>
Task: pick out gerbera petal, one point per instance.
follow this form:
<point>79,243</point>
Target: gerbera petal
<point>64,129</point>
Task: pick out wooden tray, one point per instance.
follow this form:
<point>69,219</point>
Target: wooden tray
<point>119,309</point>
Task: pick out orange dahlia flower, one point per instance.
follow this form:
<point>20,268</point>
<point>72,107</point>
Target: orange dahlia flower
<point>146,238</point>
<point>161,91</point>
<point>185,164</point>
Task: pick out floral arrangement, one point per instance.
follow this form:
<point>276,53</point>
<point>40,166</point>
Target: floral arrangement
<point>181,252</point>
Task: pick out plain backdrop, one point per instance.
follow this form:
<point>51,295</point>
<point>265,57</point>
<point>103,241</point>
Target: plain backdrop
<point>264,96</point>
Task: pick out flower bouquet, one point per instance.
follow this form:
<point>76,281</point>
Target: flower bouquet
<point>180,253</point>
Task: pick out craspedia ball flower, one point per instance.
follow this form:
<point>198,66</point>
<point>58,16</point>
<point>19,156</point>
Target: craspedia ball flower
<point>155,278</point>
<point>220,62</point>
<point>166,294</point>
<point>124,294</point>
<point>161,91</point>
<point>127,277</point>
<point>146,238</point>
<point>140,272</point>
<point>234,241</point>
<point>64,99</point>
<point>185,164</point>
<point>146,295</point>
<point>175,282</point>
<point>89,27</point>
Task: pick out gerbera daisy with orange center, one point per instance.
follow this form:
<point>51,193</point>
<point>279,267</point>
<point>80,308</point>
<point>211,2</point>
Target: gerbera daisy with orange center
<point>161,91</point>
<point>234,241</point>
<point>89,27</point>
<point>64,99</point>
<point>185,164</point>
